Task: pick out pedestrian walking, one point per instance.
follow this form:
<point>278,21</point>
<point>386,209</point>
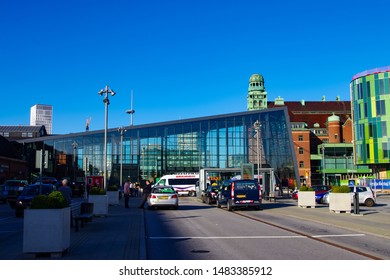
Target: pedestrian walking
<point>131,189</point>
<point>126,193</point>
<point>146,191</point>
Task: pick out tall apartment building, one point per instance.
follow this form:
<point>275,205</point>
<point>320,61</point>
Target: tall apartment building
<point>42,115</point>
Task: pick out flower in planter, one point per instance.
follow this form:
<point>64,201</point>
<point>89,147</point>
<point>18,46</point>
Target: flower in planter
<point>112,188</point>
<point>340,189</point>
<point>54,200</point>
<point>306,189</point>
<point>98,191</point>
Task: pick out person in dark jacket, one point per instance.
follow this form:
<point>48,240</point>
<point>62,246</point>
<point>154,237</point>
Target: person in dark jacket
<point>66,191</point>
<point>146,191</point>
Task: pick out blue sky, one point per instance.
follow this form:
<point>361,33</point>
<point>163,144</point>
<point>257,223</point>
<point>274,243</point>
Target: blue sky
<point>182,59</point>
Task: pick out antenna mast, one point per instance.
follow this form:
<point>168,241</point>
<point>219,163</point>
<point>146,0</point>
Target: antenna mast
<point>131,111</point>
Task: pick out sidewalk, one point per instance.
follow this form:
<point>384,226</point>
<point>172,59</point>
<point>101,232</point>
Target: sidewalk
<point>117,236</point>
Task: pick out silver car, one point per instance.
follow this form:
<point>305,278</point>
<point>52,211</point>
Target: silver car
<point>163,196</point>
<point>366,195</point>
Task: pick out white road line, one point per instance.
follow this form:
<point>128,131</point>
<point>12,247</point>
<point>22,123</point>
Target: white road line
<point>225,237</point>
<point>339,235</point>
<point>253,237</point>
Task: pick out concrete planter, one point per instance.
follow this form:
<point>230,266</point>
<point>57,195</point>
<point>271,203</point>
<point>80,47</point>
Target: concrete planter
<point>113,197</point>
<point>340,202</point>
<point>46,230</point>
<point>100,204</point>
<point>306,199</point>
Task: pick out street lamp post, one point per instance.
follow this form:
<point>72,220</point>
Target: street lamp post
<point>122,131</point>
<point>106,91</point>
<point>323,164</point>
<point>257,126</point>
<point>74,145</point>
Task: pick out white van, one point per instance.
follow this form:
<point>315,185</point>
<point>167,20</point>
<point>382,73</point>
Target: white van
<point>183,183</point>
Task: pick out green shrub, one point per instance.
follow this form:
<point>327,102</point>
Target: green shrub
<point>340,189</point>
<point>55,200</point>
<point>112,188</point>
<point>97,190</point>
<point>305,189</point>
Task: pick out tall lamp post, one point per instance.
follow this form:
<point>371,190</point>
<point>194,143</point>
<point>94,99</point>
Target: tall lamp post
<point>122,131</point>
<point>74,145</point>
<point>106,91</point>
<point>257,126</point>
<point>323,164</point>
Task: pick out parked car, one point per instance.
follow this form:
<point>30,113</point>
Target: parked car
<point>366,195</point>
<point>209,196</point>
<point>12,189</point>
<point>163,196</point>
<point>29,192</point>
<point>3,194</point>
<point>48,180</point>
<point>240,193</point>
<point>320,191</point>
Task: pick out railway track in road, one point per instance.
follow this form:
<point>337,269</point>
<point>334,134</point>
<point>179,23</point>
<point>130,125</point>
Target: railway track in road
<point>318,238</point>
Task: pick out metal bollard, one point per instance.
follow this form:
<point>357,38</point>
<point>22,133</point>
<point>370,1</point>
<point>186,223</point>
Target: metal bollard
<point>356,203</point>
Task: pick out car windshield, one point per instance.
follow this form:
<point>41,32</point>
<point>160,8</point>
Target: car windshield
<point>34,190</point>
<point>163,190</point>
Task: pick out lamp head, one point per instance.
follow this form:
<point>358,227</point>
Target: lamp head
<point>101,92</point>
<point>113,93</point>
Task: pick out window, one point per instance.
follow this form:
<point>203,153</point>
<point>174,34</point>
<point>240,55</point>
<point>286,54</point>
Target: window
<point>300,138</point>
<point>301,164</point>
<point>301,151</point>
<point>384,129</point>
<point>336,136</point>
<point>380,108</point>
<point>385,150</point>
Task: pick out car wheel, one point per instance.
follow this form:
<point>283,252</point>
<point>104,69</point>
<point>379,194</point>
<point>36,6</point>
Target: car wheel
<point>218,204</point>
<point>369,202</point>
<point>229,205</point>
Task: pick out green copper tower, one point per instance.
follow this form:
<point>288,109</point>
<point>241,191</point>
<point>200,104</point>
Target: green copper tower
<point>257,96</point>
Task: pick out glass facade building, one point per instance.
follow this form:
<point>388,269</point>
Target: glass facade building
<point>153,150</point>
<point>370,96</point>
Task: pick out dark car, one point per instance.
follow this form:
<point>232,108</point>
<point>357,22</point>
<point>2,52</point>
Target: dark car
<point>29,192</point>
<point>239,194</point>
<point>209,196</point>
<point>12,189</point>
<point>47,180</point>
<point>3,194</point>
<point>320,191</point>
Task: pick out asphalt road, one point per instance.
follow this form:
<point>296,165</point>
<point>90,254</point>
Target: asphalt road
<point>199,231</point>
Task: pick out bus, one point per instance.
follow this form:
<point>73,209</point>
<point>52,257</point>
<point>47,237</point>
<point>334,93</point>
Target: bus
<point>183,183</point>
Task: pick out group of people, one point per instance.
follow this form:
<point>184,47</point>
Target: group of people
<point>129,189</point>
<point>132,190</point>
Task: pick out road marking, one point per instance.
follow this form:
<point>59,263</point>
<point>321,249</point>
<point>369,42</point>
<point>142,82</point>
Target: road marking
<point>254,237</point>
<point>226,237</point>
<point>339,235</point>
